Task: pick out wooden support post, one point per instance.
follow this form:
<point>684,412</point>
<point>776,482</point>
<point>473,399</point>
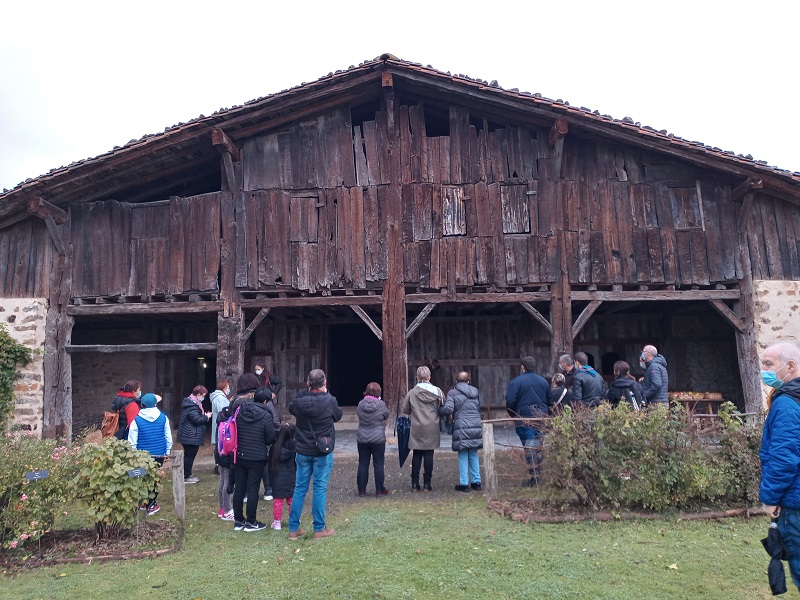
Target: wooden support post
<point>420,318</point>
<point>362,314</point>
<point>538,316</point>
<point>179,493</point>
<point>490,471</point>
<point>223,144</point>
<point>556,138</point>
<point>746,187</point>
<point>253,324</point>
<point>584,317</point>
<point>43,209</point>
<point>395,355</point>
<point>727,314</point>
<point>746,341</point>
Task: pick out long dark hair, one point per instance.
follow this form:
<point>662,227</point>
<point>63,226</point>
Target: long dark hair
<point>285,434</point>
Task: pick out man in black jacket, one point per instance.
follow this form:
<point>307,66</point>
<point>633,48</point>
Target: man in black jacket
<point>268,380</point>
<point>526,396</point>
<point>587,386</point>
<point>624,388</point>
<point>255,433</point>
<point>315,411</point>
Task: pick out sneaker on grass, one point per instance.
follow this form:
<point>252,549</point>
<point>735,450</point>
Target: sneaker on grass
<point>190,480</point>
<point>228,516</point>
<point>238,525</point>
<point>153,509</point>
<point>276,525</point>
<point>257,526</point>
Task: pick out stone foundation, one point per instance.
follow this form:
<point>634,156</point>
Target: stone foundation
<point>24,319</point>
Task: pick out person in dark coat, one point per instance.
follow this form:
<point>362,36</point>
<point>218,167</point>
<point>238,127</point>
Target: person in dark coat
<point>463,402</point>
<point>568,368</point>
<point>264,395</point>
<point>127,404</point>
<point>623,388</point>
<point>526,397</point>
<point>283,472</point>
<point>268,380</point>
<point>246,387</point>
<point>656,379</point>
<point>560,395</point>
<point>254,433</point>
<point>192,429</point>
<point>371,439</point>
<point>423,405</point>
<point>780,447</point>
<point>315,411</point>
<point>588,387</point>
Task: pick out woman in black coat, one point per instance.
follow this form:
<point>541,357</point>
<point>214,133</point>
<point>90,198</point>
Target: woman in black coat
<point>192,429</point>
<point>283,471</point>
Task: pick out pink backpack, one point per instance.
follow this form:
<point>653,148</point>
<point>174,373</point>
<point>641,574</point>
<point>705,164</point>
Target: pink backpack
<point>227,439</point>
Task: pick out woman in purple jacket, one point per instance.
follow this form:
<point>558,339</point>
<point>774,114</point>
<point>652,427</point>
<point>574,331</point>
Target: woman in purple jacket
<point>371,438</point>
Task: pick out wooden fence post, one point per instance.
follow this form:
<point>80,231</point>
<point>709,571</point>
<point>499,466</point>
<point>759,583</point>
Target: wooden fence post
<point>490,479</point>
<point>179,493</point>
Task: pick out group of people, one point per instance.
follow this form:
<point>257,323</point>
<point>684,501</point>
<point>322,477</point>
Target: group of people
<point>531,397</point>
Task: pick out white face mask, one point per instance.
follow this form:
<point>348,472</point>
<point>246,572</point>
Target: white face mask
<point>259,371</point>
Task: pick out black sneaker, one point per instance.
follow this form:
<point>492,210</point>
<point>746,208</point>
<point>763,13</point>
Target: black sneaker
<point>462,488</point>
<point>427,487</point>
<point>238,525</point>
<point>476,486</point>
<point>257,526</point>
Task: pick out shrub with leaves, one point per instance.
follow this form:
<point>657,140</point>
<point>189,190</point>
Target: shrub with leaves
<point>655,459</point>
<point>28,507</point>
<point>12,356</point>
<point>104,486</point>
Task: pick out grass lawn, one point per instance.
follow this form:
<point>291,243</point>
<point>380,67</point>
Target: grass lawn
<point>425,546</point>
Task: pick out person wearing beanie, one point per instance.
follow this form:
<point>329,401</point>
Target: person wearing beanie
<point>150,431</point>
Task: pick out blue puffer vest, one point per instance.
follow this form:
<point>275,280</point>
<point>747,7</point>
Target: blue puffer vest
<point>151,435</point>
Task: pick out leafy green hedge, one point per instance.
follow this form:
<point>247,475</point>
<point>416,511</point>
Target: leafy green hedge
<point>12,355</point>
<point>655,459</point>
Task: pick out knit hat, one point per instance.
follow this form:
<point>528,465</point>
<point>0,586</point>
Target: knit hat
<point>149,400</point>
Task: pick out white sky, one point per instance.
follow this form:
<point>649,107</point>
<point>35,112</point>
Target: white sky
<point>78,78</point>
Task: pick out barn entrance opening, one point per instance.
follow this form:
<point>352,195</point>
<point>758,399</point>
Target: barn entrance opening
<point>355,357</point>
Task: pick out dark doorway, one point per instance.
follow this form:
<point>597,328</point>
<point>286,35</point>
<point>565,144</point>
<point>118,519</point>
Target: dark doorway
<point>355,357</point>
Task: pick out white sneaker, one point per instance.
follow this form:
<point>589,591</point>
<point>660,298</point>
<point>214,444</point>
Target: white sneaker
<point>267,496</point>
<point>276,525</point>
<point>228,516</point>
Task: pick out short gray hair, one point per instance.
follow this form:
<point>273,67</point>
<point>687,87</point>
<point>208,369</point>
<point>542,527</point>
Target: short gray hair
<point>316,379</point>
<point>788,351</point>
<point>423,373</point>
<point>566,359</point>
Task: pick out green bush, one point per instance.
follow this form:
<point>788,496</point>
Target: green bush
<point>12,355</point>
<point>103,485</point>
<point>28,508</point>
<point>655,459</point>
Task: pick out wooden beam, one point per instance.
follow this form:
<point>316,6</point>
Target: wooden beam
<point>228,173</point>
<point>254,323</point>
<point>310,301</point>
<point>538,316</point>
<point>223,144</point>
<point>640,296</point>
<point>585,315</point>
<point>728,314</point>
<point>156,308</point>
<point>479,298</point>
<point>420,318</point>
<point>386,79</point>
<point>744,213</point>
<point>43,209</point>
<point>558,131</point>
<point>369,322</point>
<point>747,186</point>
<point>55,234</point>
<point>110,348</point>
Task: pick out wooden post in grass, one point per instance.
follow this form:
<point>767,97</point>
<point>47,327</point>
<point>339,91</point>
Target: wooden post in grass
<point>179,492</point>
<point>490,479</point>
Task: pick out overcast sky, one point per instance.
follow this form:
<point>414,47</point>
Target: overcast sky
<point>78,78</point>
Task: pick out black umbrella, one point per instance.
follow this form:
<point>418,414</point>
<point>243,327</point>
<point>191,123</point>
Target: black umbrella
<point>402,429</point>
<point>774,546</point>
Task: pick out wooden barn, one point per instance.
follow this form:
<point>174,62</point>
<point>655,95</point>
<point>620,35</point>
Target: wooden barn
<point>384,215</point>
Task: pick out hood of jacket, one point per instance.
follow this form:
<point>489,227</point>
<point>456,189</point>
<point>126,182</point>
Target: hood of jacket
<point>122,401</point>
<point>588,370</point>
<point>623,382</point>
<point>150,414</point>
<point>251,412</point>
<point>312,405</point>
<point>424,393</point>
<point>791,388</point>
<point>659,360</point>
<point>370,404</point>
<point>467,390</point>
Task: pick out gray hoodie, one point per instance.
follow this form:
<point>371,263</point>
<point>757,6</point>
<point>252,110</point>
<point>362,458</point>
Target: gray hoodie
<point>372,415</point>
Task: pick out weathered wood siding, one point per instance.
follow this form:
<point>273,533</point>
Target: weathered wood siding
<point>26,254</point>
<point>121,249</point>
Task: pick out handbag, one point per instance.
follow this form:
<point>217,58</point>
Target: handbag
<point>323,442</point>
<point>110,424</point>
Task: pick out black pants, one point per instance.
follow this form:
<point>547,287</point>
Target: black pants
<point>248,474</point>
<point>416,460</point>
<point>377,453</point>
<point>266,478</point>
<point>152,503</point>
<point>189,454</point>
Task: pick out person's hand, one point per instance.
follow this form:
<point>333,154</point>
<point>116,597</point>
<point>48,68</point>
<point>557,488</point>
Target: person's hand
<point>274,395</point>
<point>772,511</point>
<point>208,414</point>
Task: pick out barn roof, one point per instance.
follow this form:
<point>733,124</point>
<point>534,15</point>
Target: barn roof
<point>181,160</point>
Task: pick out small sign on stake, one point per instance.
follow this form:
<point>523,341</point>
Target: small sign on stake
<point>37,475</point>
<point>134,473</point>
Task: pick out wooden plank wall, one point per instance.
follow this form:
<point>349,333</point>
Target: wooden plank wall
<point>26,255</point>
<point>482,206</point>
<point>121,249</point>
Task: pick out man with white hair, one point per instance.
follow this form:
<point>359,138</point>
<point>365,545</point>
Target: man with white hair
<point>423,404</point>
<point>780,446</point>
<point>656,381</point>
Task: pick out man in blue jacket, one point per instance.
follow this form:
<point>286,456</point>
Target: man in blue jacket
<point>780,446</point>
<point>526,396</point>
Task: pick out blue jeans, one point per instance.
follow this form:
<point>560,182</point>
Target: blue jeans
<point>468,461</point>
<point>531,439</point>
<point>789,528</point>
<point>320,468</point>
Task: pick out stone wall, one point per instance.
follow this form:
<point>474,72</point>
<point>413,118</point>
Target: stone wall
<point>24,319</point>
<point>96,379</point>
<point>777,317</point>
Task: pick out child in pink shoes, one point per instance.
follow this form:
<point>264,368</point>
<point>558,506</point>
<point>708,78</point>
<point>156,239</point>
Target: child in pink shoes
<point>283,471</point>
